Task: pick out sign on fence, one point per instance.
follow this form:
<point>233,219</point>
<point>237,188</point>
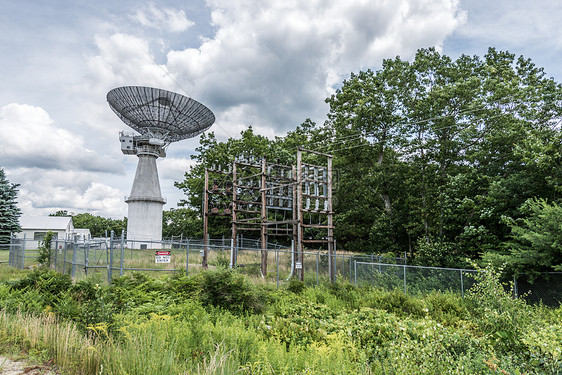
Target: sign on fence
<point>163,257</point>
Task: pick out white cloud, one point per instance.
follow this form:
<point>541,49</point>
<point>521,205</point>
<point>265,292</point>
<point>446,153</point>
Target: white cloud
<point>123,60</point>
<point>162,18</point>
<point>30,139</point>
<point>270,64</point>
<point>276,62</point>
<point>44,192</point>
<point>174,168</point>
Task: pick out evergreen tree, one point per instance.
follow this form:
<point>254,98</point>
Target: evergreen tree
<point>9,212</point>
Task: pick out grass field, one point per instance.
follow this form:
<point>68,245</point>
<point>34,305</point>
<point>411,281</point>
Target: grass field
<point>219,322</point>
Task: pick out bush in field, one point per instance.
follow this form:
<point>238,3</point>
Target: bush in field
<point>446,308</point>
<point>49,283</point>
<point>135,289</point>
<point>295,286</point>
<point>396,302</point>
<point>228,290</point>
<point>345,292</point>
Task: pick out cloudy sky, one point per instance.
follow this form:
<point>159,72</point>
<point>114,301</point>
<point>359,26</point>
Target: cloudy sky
<point>265,63</point>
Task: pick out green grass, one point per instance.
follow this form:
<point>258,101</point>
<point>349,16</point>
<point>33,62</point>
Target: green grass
<point>8,273</point>
<point>218,322</point>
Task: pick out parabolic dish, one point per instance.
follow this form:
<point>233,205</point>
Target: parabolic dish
<point>150,109</point>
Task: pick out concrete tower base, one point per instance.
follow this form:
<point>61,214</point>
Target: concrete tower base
<point>144,220</point>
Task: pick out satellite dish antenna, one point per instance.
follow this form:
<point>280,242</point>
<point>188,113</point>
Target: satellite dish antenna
<point>160,117</point>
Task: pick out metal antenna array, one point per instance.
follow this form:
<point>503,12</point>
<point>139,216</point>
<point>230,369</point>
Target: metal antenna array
<point>276,201</point>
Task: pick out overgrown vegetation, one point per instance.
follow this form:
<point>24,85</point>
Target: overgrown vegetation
<point>451,161</point>
<point>217,322</point>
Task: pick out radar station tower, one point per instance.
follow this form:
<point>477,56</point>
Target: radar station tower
<point>159,117</point>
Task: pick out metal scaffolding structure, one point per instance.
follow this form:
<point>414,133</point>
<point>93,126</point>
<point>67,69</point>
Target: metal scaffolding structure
<point>275,200</point>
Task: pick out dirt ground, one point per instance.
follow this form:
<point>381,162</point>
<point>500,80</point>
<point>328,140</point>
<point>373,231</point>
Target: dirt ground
<point>21,367</point>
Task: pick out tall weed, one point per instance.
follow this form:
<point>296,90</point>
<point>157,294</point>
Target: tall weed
<point>500,316</point>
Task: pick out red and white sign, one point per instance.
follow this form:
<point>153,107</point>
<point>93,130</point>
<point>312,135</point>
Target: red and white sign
<point>163,257</point>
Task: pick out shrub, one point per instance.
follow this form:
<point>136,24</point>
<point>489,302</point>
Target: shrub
<point>446,308</point>
<point>345,292</point>
<point>226,289</point>
<point>396,302</point>
<point>49,283</point>
<point>44,257</point>
<point>295,286</point>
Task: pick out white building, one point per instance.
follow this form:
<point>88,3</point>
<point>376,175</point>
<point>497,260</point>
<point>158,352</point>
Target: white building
<point>34,229</point>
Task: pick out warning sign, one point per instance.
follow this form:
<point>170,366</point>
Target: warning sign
<point>298,265</point>
<point>163,257</point>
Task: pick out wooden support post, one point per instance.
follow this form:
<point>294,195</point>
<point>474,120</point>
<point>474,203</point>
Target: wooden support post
<point>263,221</point>
<point>205,221</point>
<point>299,248</point>
<point>331,247</point>
<point>295,218</point>
<point>233,242</point>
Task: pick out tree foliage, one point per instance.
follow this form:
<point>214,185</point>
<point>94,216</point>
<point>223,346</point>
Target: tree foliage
<point>185,222</point>
<point>442,149</point>
<point>9,211</point>
<point>430,155</point>
<point>99,226</point>
<point>537,238</point>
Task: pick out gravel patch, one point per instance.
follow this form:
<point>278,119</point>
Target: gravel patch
<point>9,367</point>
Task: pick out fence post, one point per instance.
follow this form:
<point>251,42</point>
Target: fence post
<point>110,263</point>
<point>405,289</point>
<point>317,268</point>
<point>232,244</point>
<point>187,258</point>
<point>355,272</point>
<point>122,252</point>
<point>11,251</point>
<point>515,286</point>
<point>462,286</point>
<point>64,257</point>
<point>74,243</point>
<point>86,256</point>
<point>23,254</point>
<point>277,260</point>
<point>56,252</point>
<point>350,275</point>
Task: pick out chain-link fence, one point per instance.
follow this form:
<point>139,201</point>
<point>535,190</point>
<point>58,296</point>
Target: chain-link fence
<point>5,252</point>
<point>413,279</point>
<point>115,256</point>
<point>545,287</point>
